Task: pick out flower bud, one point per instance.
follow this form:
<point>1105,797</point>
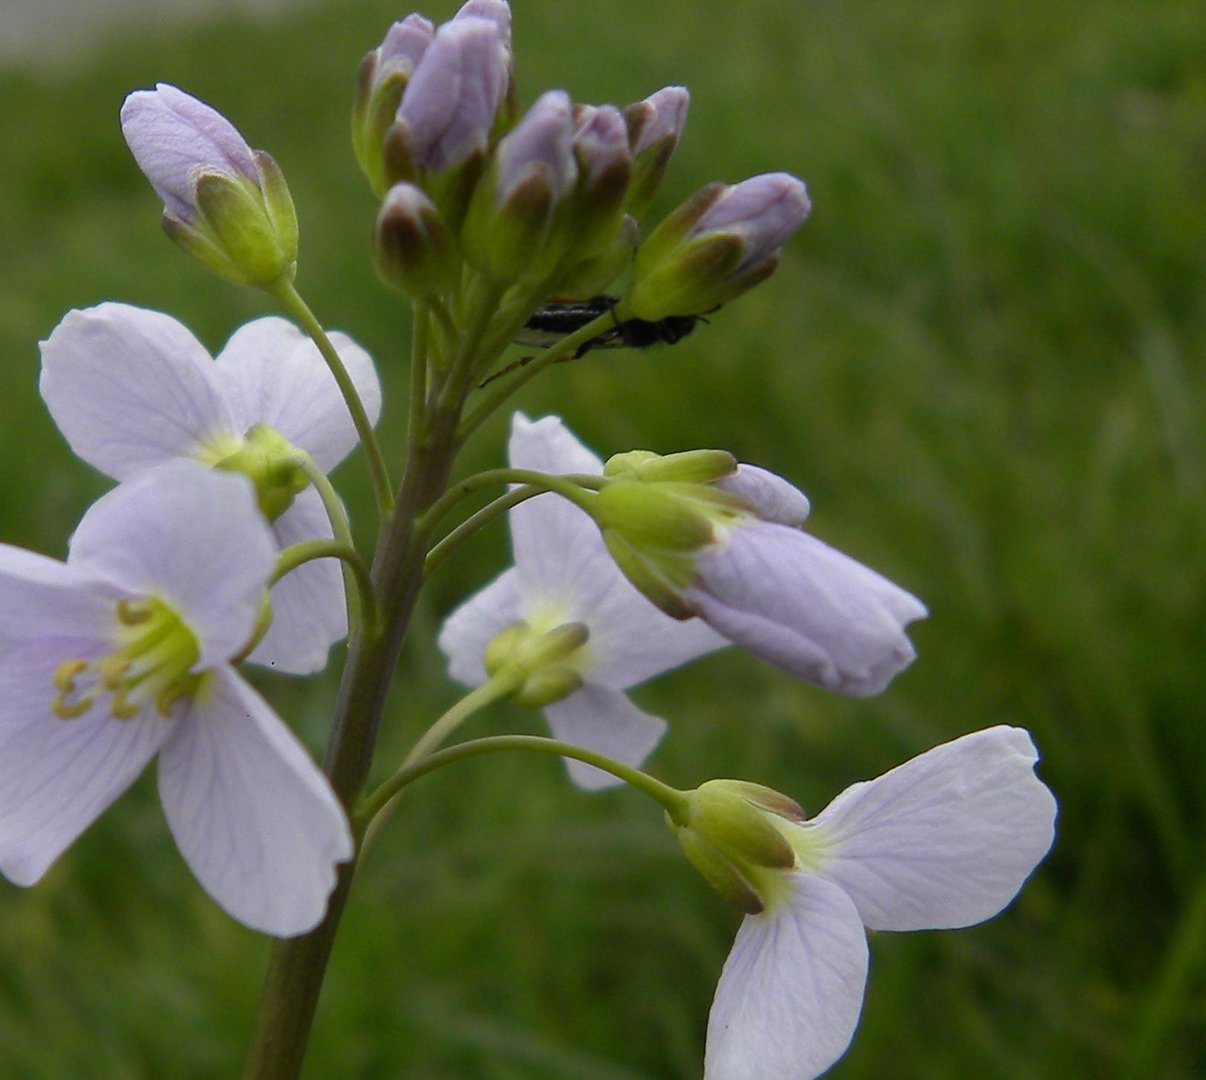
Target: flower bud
<point>654,127</point>
<point>272,465</point>
<point>591,275</point>
<point>414,249</point>
<point>721,242</point>
<point>545,660</point>
<point>509,230</point>
<point>688,466</point>
<point>595,211</point>
<point>728,830</point>
<point>384,74</point>
<point>441,134</point>
<point>225,204</point>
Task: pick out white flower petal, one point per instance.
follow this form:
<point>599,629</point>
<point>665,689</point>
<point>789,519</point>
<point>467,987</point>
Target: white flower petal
<point>944,840</point>
<point>42,598</point>
<point>57,776</point>
<point>309,613</point>
<point>557,546</point>
<point>772,497</point>
<point>190,535</point>
<point>602,719</point>
<point>805,607</point>
<point>130,388</point>
<point>251,813</point>
<point>791,991</point>
<point>271,373</point>
<point>472,626</point>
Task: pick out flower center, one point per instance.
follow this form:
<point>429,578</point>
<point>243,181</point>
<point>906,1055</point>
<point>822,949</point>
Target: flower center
<point>151,664</point>
<point>268,459</point>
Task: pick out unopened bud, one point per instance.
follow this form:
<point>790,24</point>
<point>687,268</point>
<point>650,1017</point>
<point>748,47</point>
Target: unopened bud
<point>414,249</point>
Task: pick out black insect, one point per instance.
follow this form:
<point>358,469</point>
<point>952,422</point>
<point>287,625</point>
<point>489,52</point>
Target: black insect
<point>554,320</point>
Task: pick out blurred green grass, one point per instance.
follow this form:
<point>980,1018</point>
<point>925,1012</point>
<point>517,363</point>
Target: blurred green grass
<point>982,358</point>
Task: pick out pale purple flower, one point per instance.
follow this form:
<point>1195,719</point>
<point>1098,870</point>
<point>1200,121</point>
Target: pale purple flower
<point>770,496</point>
<point>661,116</point>
<point>944,841</point>
<point>539,149</point>
<point>496,11</point>
<point>764,211</point>
<point>123,652</point>
<point>175,138</point>
<point>131,388</point>
<point>563,574</point>
<point>401,50</point>
<point>804,606</point>
<point>450,104</point>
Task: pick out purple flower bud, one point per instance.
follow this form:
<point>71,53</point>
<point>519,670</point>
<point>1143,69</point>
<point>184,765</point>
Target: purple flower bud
<point>451,102</point>
<point>805,607</point>
<point>496,11</point>
<point>414,249</point>
<point>654,126</point>
<point>770,496</point>
<point>540,146</point>
<point>402,49</point>
<point>601,143</point>
<point>174,138</point>
<point>715,246</point>
<point>659,117</point>
<point>224,203</point>
<point>764,211</point>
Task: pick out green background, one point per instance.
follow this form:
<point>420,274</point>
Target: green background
<point>982,358</point>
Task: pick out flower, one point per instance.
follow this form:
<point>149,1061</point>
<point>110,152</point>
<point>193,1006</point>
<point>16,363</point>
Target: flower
<point>123,652</point>
<point>654,127</point>
<point>731,552</point>
<point>508,231</point>
<point>226,204</point>
<point>563,576</point>
<point>944,841</point>
<point>131,388</point>
<point>718,244</point>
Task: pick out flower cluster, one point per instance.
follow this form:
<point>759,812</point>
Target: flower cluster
<point>219,546</point>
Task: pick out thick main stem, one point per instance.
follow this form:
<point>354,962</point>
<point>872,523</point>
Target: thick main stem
<point>297,965</point>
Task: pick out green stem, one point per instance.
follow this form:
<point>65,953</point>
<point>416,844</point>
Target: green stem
<point>671,799</point>
<point>359,599</point>
<point>292,302</point>
<point>479,520</point>
<point>296,966</point>
<point>568,485</point>
<point>357,585</point>
<point>539,362</point>
<point>500,686</point>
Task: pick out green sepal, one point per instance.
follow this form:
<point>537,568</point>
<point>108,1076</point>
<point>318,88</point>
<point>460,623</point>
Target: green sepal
<point>236,220</point>
<point>719,872</point>
<point>687,466</point>
<point>721,811</point>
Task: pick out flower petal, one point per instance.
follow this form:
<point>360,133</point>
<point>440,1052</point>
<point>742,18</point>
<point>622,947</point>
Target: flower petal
<point>43,598</point>
<point>602,719</point>
<point>772,497</point>
<point>271,373</point>
<point>791,991</point>
<point>309,612</point>
<point>251,813</point>
<point>944,840</point>
<point>57,776</point>
<point>472,626</point>
<point>555,543</point>
<point>190,535</point>
<point>805,607</point>
<point>173,136</point>
<point>130,388</point>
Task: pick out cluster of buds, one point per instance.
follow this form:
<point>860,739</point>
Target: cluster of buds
<point>548,200</point>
